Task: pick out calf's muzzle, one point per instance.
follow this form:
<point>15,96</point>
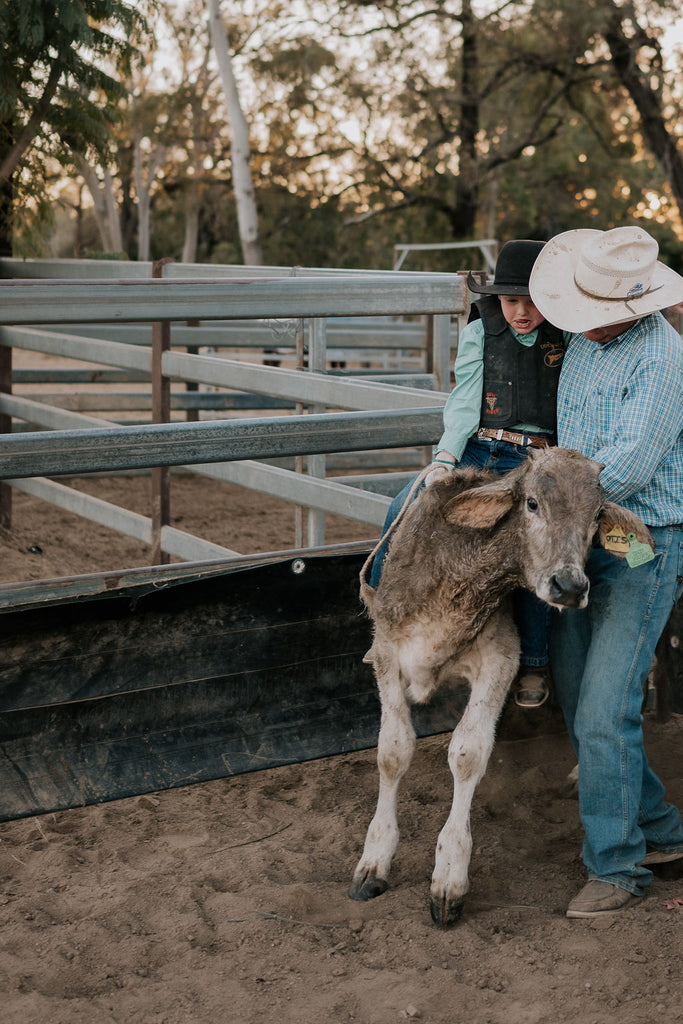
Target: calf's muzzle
<point>568,587</point>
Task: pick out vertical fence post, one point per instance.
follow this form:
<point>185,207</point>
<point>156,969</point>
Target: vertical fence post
<point>192,415</point>
<point>428,320</point>
<point>441,348</point>
<point>317,363</point>
<point>299,459</point>
<point>161,413</point>
<point>5,428</point>
<point>429,343</point>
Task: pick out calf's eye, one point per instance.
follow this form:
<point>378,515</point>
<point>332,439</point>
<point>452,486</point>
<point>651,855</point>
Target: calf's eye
<point>532,504</point>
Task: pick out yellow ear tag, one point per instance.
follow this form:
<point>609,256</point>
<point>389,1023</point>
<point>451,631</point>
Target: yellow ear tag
<point>617,541</point>
<point>638,552</point>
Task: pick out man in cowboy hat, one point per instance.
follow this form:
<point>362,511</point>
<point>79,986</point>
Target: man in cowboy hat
<point>504,402</point>
<point>620,402</point>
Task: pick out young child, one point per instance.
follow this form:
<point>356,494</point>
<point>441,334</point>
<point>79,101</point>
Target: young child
<point>504,402</point>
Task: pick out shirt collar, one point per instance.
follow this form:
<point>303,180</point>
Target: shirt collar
<point>525,339</point>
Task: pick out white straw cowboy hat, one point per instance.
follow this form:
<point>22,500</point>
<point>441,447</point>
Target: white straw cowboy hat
<point>587,279</point>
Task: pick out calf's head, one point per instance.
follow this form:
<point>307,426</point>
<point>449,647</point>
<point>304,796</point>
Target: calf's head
<point>552,509</point>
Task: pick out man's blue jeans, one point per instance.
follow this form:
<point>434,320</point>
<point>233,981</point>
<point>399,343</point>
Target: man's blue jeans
<point>531,615</point>
<point>601,656</point>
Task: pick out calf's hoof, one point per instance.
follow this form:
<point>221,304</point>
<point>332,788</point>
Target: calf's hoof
<point>445,912</point>
<point>367,887</point>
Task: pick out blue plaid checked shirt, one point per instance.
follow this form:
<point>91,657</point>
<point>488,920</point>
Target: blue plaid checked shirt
<point>621,403</point>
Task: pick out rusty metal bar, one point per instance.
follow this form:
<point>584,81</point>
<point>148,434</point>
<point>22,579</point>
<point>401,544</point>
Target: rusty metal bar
<point>5,428</point>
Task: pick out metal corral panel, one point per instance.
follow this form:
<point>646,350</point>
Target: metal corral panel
<point>116,686</point>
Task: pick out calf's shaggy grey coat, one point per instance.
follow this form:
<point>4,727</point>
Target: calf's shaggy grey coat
<point>441,612</point>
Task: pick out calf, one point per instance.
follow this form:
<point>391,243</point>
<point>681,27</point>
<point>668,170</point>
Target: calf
<point>441,613</point>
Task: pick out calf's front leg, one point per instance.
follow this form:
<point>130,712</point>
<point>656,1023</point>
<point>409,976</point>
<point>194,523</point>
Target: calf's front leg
<point>395,748</point>
<point>468,756</point>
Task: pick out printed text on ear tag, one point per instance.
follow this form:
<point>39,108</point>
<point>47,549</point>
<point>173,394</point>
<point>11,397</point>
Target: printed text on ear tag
<point>617,541</point>
<point>638,552</point>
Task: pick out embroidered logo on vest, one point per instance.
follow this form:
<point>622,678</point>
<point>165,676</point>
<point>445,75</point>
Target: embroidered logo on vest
<point>554,357</point>
<point>492,402</point>
<point>553,354</point>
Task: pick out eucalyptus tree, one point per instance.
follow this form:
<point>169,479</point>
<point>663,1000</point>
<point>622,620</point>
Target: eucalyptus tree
<point>409,120</point>
<point>452,94</point>
<point>468,108</point>
<point>59,83</point>
<point>247,216</point>
<point>640,64</point>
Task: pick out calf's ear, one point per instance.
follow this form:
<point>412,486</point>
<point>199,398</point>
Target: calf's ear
<point>480,507</point>
<point>614,516</point>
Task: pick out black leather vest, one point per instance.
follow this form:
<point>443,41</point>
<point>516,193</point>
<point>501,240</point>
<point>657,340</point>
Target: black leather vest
<point>520,381</point>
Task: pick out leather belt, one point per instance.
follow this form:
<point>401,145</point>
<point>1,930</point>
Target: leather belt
<point>523,440</point>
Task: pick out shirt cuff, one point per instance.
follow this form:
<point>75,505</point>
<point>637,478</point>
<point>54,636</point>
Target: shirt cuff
<point>442,456</point>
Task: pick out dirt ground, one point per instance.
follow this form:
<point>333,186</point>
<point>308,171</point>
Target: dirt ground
<point>46,542</point>
<point>226,901</point>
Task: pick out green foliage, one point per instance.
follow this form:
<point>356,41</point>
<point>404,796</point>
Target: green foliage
<point>32,223</point>
<point>93,254</point>
<point>62,72</point>
<point>76,39</point>
<point>371,124</point>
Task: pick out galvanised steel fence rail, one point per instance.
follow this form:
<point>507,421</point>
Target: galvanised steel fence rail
<point>40,314</point>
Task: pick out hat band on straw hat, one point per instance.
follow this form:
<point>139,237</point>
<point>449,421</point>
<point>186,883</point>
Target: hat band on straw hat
<point>636,292</point>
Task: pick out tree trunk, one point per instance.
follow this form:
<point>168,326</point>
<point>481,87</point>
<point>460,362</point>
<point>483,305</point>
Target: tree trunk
<point>624,51</point>
<point>105,209</point>
<point>6,189</point>
<point>6,216</point>
<point>11,157</point>
<point>112,212</point>
<point>247,215</point>
<point>463,216</point>
<point>191,233</point>
<point>142,190</point>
